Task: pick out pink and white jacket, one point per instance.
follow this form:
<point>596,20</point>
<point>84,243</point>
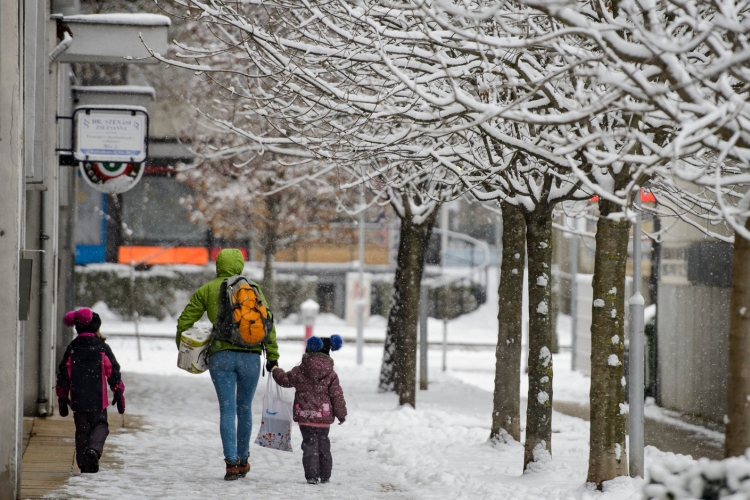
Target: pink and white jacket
<point>87,367</point>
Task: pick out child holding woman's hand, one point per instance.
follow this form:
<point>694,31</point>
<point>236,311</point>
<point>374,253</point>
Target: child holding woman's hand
<point>317,401</point>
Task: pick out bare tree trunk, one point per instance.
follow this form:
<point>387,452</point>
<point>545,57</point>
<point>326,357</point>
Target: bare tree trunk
<point>269,243</point>
<point>607,455</point>
<point>269,284</point>
<point>398,370</point>
<point>738,379</point>
<point>539,408</point>
<point>506,413</point>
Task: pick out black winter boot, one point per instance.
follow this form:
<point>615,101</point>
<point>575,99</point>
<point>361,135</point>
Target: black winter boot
<point>91,462</point>
<point>233,471</point>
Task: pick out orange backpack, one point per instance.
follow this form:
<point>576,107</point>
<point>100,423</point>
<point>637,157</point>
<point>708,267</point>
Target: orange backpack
<point>243,319</point>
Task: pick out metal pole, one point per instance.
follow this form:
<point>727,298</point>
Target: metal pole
<point>637,351</point>
<point>443,235</point>
<point>573,300</point>
<point>136,316</point>
<point>423,338</point>
<point>45,334</point>
<point>445,345</point>
<point>361,291</point>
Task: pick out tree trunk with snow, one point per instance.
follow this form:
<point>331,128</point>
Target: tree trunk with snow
<point>738,378</point>
<point>506,412</point>
<point>607,455</point>
<point>539,408</point>
<point>399,367</point>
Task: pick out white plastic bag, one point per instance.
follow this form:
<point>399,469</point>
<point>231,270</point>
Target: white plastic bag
<point>276,422</point>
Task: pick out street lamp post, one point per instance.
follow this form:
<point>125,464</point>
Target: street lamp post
<point>637,355</point>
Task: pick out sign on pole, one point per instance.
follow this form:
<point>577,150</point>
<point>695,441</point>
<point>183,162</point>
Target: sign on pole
<point>111,144</point>
<point>110,134</point>
<point>112,177</point>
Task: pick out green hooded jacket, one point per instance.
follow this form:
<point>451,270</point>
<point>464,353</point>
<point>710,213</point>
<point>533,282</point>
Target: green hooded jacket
<point>229,262</point>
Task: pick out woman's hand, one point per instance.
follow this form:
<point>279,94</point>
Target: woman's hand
<point>271,364</point>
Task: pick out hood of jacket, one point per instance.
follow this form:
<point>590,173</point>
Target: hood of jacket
<point>229,262</point>
<point>316,365</point>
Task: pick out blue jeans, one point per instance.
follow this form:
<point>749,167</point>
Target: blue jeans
<point>235,377</point>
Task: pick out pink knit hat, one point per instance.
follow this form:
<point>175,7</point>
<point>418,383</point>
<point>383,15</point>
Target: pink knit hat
<point>85,320</point>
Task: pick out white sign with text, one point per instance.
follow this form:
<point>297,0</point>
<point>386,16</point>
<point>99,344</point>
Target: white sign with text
<point>110,136</point>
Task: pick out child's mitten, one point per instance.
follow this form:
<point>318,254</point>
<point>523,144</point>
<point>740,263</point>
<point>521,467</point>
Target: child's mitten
<point>121,404</point>
<point>119,397</point>
<point>62,406</point>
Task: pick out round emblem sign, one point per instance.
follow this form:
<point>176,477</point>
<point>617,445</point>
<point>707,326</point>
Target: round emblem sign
<point>112,177</point>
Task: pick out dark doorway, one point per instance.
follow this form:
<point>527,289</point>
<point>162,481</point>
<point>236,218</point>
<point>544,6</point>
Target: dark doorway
<point>326,297</point>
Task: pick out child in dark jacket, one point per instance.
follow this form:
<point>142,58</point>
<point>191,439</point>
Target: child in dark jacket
<point>317,400</point>
<point>82,376</point>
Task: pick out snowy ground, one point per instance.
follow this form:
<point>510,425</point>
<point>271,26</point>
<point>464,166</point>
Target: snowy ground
<point>438,451</point>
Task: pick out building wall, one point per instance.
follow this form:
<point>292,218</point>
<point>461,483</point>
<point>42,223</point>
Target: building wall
<point>693,343</point>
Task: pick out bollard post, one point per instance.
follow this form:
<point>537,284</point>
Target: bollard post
<point>309,310</point>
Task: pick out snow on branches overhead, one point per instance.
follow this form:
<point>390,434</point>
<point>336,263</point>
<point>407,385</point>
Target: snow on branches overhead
<point>583,91</point>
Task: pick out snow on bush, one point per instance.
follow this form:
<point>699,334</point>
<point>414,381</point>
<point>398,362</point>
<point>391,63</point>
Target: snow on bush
<point>678,476</point>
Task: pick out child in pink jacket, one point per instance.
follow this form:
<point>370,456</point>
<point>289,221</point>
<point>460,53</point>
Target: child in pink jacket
<point>317,401</point>
<point>87,367</point>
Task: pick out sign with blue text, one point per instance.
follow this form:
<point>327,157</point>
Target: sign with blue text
<point>110,134</point>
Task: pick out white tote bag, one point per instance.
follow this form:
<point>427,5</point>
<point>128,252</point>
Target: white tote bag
<point>276,422</point>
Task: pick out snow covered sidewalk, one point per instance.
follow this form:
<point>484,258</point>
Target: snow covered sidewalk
<point>438,451</point>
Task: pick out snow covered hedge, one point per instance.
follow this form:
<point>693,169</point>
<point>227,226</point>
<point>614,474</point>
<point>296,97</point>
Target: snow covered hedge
<point>681,477</point>
<point>163,291</point>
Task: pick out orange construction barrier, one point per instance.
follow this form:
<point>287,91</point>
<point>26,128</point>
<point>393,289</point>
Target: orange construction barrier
<point>159,255</point>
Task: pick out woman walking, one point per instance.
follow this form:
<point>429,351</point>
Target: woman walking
<point>234,369</point>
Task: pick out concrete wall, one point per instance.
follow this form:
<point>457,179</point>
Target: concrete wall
<point>693,343</point>
<point>11,233</point>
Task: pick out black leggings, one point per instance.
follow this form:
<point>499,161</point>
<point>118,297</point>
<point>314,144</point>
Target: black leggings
<point>91,432</point>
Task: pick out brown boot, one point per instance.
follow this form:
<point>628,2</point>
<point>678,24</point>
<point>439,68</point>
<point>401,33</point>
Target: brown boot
<point>233,471</point>
<point>244,467</point>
